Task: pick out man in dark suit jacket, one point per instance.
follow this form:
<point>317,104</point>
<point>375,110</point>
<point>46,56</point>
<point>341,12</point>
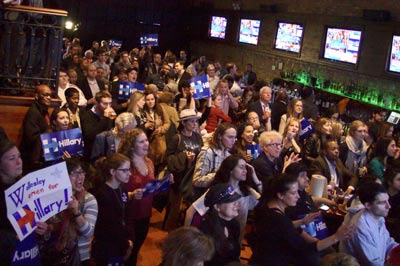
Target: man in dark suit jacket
<point>180,72</point>
<point>90,86</point>
<point>262,107</point>
<point>328,162</point>
<point>95,121</point>
<point>268,164</point>
<point>36,122</point>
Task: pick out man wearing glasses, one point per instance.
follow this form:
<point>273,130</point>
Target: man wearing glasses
<point>269,164</point>
<point>36,122</point>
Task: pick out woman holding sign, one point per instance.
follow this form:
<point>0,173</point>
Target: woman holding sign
<point>135,145</point>
<point>60,120</point>
<point>68,239</point>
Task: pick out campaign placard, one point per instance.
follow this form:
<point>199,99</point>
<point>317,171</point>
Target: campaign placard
<point>201,87</point>
<point>156,186</point>
<point>26,252</point>
<point>253,149</point>
<point>306,129</point>
<point>316,228</point>
<point>37,197</point>
<point>54,144</point>
<point>126,88</point>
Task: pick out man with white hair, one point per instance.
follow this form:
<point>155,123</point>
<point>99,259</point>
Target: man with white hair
<point>263,107</point>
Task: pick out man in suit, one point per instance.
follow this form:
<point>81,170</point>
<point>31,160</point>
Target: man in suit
<point>36,122</point>
<point>155,67</point>
<point>90,85</point>
<point>180,72</point>
<point>329,165</point>
<point>263,108</point>
<point>96,120</point>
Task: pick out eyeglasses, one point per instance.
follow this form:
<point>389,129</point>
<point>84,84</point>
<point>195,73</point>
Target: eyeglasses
<point>78,172</point>
<point>275,145</point>
<point>124,170</point>
<point>362,131</point>
<point>230,191</point>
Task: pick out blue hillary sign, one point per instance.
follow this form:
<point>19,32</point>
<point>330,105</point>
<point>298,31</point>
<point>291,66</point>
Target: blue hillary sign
<point>26,252</point>
<point>55,144</point>
<point>125,89</point>
<point>156,186</point>
<point>316,228</point>
<point>253,149</point>
<point>306,129</point>
<point>201,87</point>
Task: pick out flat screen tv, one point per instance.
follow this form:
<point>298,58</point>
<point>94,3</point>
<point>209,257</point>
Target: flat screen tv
<point>249,31</point>
<point>342,45</point>
<point>394,58</point>
<point>218,27</point>
<point>149,39</point>
<point>289,37</point>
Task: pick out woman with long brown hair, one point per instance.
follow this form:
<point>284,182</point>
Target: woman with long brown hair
<point>135,145</point>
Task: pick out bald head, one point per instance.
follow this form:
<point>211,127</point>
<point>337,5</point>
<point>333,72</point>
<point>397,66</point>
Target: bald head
<point>43,94</point>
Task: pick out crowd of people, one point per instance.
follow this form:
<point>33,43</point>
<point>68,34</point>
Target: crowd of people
<point>240,158</point>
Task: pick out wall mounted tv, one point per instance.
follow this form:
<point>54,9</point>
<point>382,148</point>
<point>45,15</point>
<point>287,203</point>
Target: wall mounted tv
<point>394,57</point>
<point>289,37</point>
<point>218,27</point>
<point>149,39</point>
<point>249,31</point>
<point>342,45</point>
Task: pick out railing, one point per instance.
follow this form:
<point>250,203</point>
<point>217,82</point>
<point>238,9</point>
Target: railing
<point>30,48</point>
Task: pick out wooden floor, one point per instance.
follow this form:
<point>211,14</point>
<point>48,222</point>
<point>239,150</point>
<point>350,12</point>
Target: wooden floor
<point>150,254</point>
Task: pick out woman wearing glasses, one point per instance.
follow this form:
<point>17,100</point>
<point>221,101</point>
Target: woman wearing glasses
<point>353,152</point>
<point>69,234</point>
<point>111,242</point>
<point>268,164</point>
<point>135,145</point>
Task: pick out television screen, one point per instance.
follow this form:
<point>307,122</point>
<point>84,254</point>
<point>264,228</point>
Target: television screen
<point>342,45</point>
<point>394,59</point>
<point>218,27</point>
<point>149,39</point>
<point>289,37</point>
<point>249,30</point>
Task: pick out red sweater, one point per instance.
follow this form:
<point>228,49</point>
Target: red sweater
<point>139,209</point>
<point>213,119</point>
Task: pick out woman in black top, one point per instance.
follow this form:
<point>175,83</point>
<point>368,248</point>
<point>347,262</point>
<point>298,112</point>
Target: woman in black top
<point>219,223</point>
<point>111,243</point>
<point>278,242</point>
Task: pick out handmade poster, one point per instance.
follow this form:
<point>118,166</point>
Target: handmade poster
<point>54,144</point>
<point>253,149</point>
<point>156,186</point>
<point>316,228</point>
<point>126,88</point>
<point>201,87</point>
<point>37,197</point>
